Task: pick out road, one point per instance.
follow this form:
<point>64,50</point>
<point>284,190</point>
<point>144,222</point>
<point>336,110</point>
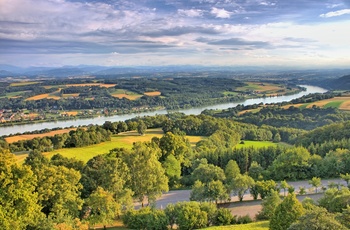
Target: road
<point>175,196</point>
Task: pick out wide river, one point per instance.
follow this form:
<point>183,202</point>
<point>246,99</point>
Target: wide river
<point>195,111</point>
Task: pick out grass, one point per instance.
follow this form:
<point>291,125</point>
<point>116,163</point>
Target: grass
<point>23,83</point>
<point>262,225</point>
<point>14,94</point>
<point>333,104</point>
<point>120,93</point>
<point>256,144</point>
<point>228,93</point>
<point>122,140</point>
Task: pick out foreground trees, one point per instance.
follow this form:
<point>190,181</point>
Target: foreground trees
<point>19,206</point>
<point>286,213</point>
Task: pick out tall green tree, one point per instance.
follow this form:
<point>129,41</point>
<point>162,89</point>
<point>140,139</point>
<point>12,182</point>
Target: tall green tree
<point>103,207</point>
<point>147,176</point>
<point>19,206</point>
<point>315,182</point>
<point>141,127</point>
<point>269,204</point>
<point>286,213</point>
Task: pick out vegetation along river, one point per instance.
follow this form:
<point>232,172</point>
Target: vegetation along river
<point>195,111</point>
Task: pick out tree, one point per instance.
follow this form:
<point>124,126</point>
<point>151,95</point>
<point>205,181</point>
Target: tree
<point>102,207</point>
<point>286,213</point>
<point>315,182</point>
<point>277,138</point>
<point>147,176</point>
<point>255,171</point>
<point>211,191</point>
<point>231,172</point>
<point>269,204</point>
<point>317,218</point>
<point>346,177</point>
<point>242,184</point>
<point>141,127</point>
<point>19,206</point>
<point>59,191</point>
<point>284,185</point>
<point>208,172</point>
<point>172,169</point>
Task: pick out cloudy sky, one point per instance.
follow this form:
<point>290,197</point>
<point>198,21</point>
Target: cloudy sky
<point>300,33</point>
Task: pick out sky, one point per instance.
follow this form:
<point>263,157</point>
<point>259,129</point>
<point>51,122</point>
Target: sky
<point>291,33</point>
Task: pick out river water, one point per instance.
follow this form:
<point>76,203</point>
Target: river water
<point>195,111</point>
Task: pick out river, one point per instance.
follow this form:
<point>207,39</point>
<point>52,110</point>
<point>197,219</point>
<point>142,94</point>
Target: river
<point>195,111</point>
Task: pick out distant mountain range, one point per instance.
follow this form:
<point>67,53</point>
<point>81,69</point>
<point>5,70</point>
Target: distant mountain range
<point>313,75</point>
<point>342,83</point>
<point>66,71</point>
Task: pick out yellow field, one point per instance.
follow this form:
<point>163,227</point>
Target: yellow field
<point>345,105</point>
<point>152,94</point>
<point>41,96</point>
<point>127,96</point>
<point>70,95</point>
<point>93,84</point>
<point>295,105</point>
<point>70,113</point>
<point>24,83</point>
<point>32,136</point>
<point>325,102</point>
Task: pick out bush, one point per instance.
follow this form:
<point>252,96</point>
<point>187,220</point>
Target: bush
<point>223,217</point>
<point>146,218</point>
<point>244,219</point>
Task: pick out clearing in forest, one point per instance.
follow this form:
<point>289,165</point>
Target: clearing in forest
<point>256,144</point>
<point>152,94</point>
<point>121,93</point>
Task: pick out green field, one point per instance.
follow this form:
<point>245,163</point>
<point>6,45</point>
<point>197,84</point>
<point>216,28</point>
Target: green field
<point>256,144</point>
<point>122,140</point>
<point>263,225</point>
<point>333,104</point>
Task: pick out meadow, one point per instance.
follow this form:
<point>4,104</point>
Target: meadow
<point>122,140</point>
<point>263,225</point>
<point>256,144</point>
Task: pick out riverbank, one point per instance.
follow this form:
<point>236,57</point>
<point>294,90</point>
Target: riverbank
<point>192,111</point>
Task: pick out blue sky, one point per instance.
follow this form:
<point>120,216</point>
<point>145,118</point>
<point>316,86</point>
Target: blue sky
<point>291,33</point>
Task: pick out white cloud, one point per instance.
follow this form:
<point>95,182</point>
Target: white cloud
<point>190,13</point>
<point>220,13</point>
<point>335,13</point>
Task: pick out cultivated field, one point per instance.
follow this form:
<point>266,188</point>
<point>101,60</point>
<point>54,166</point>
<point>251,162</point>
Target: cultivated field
<point>152,94</point>
<point>121,93</point>
<point>32,136</point>
<point>42,96</point>
<point>263,88</point>
<point>23,83</point>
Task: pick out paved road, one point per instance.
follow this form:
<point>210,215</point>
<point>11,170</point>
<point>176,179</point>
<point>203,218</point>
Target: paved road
<point>184,195</point>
